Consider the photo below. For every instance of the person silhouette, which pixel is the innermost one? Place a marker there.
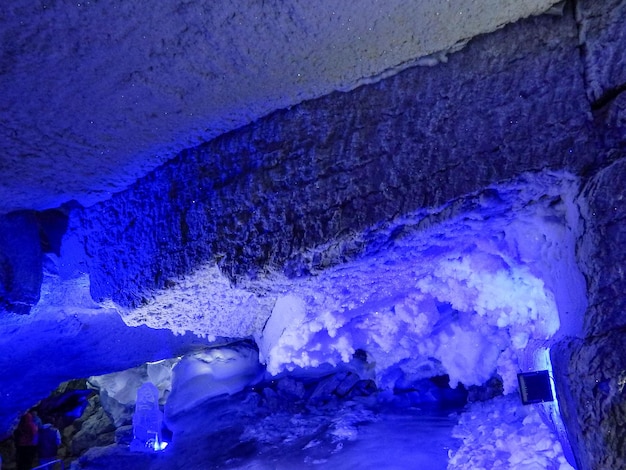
(36, 418)
(26, 436)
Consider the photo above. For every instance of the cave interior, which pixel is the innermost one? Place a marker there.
(315, 238)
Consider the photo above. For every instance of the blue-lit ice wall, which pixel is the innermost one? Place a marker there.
(467, 296)
(472, 289)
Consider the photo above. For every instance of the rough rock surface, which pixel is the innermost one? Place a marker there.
(601, 252)
(591, 380)
(94, 94)
(602, 37)
(20, 262)
(93, 429)
(255, 198)
(591, 371)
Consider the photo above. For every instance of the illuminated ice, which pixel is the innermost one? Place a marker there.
(468, 295)
(470, 290)
(210, 373)
(503, 433)
(288, 310)
(147, 420)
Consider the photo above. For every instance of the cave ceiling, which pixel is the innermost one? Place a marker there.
(96, 94)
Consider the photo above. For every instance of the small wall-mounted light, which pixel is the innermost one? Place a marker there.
(535, 387)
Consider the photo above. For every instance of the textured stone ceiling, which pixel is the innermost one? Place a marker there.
(95, 94)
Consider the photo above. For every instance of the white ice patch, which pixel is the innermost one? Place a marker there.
(503, 433)
(508, 297)
(278, 339)
(510, 300)
(208, 374)
(467, 296)
(204, 303)
(467, 356)
(489, 312)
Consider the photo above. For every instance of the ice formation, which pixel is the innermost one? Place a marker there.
(503, 434)
(147, 419)
(468, 296)
(465, 290)
(207, 374)
(473, 289)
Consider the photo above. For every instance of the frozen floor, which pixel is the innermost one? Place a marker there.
(288, 423)
(413, 440)
(329, 438)
(499, 434)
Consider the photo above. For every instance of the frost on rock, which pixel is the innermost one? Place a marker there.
(205, 304)
(467, 293)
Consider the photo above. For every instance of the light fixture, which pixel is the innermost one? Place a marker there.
(535, 387)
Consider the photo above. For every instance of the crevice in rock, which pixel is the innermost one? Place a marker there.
(582, 49)
(608, 97)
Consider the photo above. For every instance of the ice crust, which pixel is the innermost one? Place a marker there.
(208, 374)
(466, 289)
(469, 296)
(504, 434)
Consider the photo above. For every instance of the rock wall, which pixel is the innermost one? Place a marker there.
(20, 262)
(591, 371)
(252, 200)
(602, 44)
(601, 248)
(21, 257)
(95, 95)
(590, 383)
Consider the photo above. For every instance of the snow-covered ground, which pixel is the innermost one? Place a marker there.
(503, 434)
